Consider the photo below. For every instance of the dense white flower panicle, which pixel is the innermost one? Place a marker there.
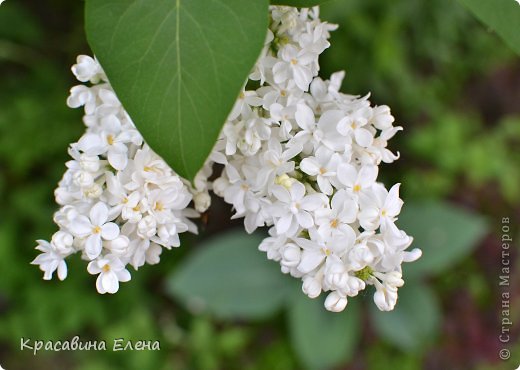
(121, 204)
(297, 156)
(302, 158)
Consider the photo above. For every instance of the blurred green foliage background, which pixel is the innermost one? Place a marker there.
(452, 85)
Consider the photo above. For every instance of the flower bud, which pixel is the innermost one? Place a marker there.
(83, 179)
(335, 302)
(153, 254)
(385, 297)
(119, 245)
(202, 201)
(311, 287)
(94, 191)
(62, 241)
(89, 163)
(146, 228)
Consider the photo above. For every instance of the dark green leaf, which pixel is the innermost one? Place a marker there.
(502, 16)
(229, 277)
(323, 339)
(177, 66)
(415, 320)
(299, 3)
(446, 234)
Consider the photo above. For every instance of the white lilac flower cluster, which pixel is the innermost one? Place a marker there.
(297, 155)
(303, 158)
(120, 202)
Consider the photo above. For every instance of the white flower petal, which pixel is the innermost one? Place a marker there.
(324, 185)
(124, 275)
(297, 191)
(304, 117)
(99, 214)
(347, 174)
(310, 166)
(363, 137)
(392, 203)
(99, 284)
(367, 176)
(281, 193)
(305, 219)
(93, 246)
(91, 144)
(110, 282)
(81, 226)
(117, 159)
(284, 223)
(93, 268)
(62, 270)
(109, 231)
(310, 260)
(312, 202)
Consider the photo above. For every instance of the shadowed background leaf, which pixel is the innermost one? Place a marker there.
(414, 322)
(445, 234)
(230, 278)
(323, 339)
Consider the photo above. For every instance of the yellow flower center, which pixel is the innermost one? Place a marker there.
(357, 188)
(96, 230)
(159, 206)
(106, 268)
(284, 180)
(326, 251)
(110, 139)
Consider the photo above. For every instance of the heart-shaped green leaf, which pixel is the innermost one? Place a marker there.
(177, 66)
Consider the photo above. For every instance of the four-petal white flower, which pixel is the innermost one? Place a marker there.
(111, 271)
(95, 229)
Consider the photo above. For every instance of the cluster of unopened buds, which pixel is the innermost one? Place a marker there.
(297, 156)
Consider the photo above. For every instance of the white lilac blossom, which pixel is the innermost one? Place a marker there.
(121, 204)
(297, 156)
(302, 158)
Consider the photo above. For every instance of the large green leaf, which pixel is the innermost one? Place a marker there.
(502, 16)
(177, 66)
(415, 320)
(446, 234)
(229, 277)
(299, 3)
(323, 339)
